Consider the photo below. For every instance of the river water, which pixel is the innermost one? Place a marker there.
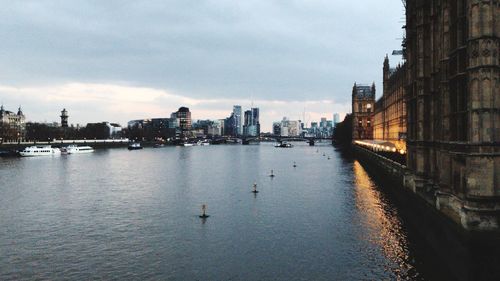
(119, 215)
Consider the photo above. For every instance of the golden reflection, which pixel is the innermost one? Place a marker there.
(381, 221)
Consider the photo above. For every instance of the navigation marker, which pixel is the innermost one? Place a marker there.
(204, 209)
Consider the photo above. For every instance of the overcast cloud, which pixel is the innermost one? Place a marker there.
(122, 60)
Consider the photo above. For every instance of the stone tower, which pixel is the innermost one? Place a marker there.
(64, 118)
(363, 101)
(453, 105)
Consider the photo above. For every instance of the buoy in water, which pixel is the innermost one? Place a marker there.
(272, 174)
(255, 188)
(203, 210)
(294, 164)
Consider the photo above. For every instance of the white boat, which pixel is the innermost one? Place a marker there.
(74, 149)
(188, 144)
(134, 146)
(205, 142)
(284, 145)
(40, 151)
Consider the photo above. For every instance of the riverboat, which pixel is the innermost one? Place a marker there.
(204, 142)
(284, 145)
(74, 149)
(134, 146)
(47, 150)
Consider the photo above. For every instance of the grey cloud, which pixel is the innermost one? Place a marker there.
(264, 49)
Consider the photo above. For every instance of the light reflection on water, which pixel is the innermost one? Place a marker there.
(119, 215)
(383, 225)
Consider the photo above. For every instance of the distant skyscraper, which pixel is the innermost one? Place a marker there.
(290, 128)
(64, 118)
(251, 125)
(336, 119)
(247, 121)
(183, 116)
(277, 128)
(238, 119)
(323, 123)
(229, 127)
(255, 129)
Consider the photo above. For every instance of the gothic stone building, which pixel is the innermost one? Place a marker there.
(12, 125)
(390, 110)
(363, 100)
(453, 104)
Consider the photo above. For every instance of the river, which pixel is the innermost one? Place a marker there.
(117, 214)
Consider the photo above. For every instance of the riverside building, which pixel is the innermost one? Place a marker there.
(389, 122)
(183, 116)
(12, 125)
(363, 100)
(453, 105)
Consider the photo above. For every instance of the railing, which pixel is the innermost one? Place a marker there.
(384, 149)
(55, 141)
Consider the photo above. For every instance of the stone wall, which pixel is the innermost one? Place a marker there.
(453, 105)
(469, 215)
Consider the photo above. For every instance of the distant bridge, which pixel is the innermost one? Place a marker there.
(280, 139)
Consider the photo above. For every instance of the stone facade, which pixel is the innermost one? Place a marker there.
(453, 104)
(363, 101)
(12, 125)
(390, 110)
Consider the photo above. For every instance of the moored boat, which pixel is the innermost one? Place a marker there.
(74, 149)
(134, 146)
(284, 145)
(204, 142)
(47, 150)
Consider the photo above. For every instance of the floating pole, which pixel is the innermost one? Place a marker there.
(272, 174)
(255, 188)
(203, 210)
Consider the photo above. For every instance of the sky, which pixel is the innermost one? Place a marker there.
(123, 60)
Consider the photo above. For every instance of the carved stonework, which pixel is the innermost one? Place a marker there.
(453, 47)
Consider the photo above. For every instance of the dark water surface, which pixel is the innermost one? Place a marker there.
(118, 215)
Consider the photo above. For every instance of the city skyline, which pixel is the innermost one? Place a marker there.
(208, 57)
(58, 121)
